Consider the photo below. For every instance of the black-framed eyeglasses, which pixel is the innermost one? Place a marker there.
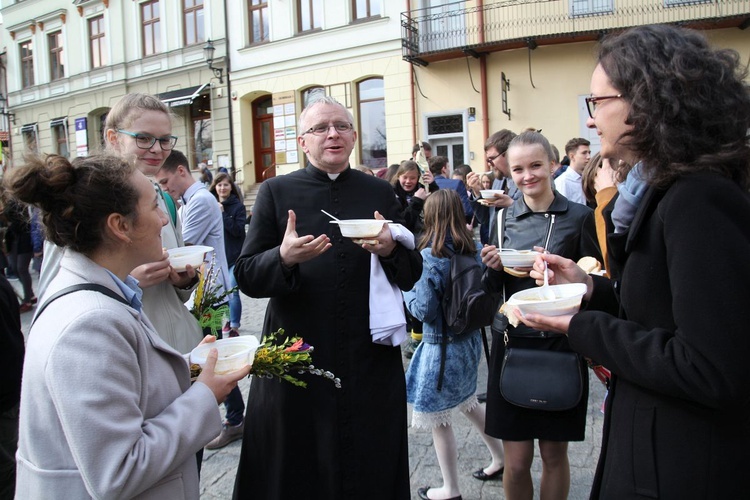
(323, 128)
(146, 141)
(491, 159)
(592, 100)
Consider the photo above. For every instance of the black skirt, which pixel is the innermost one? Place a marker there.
(513, 423)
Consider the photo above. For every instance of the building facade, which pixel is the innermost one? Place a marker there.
(448, 72)
(67, 62)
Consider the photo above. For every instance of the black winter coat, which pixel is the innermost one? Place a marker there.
(18, 235)
(412, 209)
(11, 346)
(234, 217)
(677, 421)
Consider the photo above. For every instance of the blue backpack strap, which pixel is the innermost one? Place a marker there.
(74, 288)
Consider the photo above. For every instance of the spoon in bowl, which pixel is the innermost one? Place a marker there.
(545, 291)
(329, 215)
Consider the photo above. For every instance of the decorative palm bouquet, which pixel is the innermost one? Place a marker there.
(281, 359)
(272, 359)
(209, 307)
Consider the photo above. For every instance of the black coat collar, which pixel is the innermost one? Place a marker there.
(648, 204)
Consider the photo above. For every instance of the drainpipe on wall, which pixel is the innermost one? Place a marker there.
(483, 77)
(413, 95)
(229, 97)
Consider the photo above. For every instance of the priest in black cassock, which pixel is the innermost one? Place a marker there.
(321, 442)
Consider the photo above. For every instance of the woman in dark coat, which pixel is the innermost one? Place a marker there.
(411, 194)
(234, 216)
(676, 336)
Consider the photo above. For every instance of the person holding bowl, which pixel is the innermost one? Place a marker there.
(107, 409)
(139, 128)
(673, 330)
(544, 219)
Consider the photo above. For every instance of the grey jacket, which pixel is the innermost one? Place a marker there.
(107, 409)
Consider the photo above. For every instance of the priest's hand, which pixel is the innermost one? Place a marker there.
(384, 244)
(296, 249)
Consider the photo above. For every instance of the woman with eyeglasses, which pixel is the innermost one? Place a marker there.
(674, 331)
(139, 128)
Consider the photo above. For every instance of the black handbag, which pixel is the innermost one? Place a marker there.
(541, 380)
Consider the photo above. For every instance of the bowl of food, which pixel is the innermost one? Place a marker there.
(234, 353)
(360, 228)
(490, 193)
(567, 300)
(518, 258)
(193, 255)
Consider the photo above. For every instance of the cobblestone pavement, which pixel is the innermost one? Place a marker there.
(220, 466)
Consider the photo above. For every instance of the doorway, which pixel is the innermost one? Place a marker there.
(452, 148)
(263, 138)
(446, 133)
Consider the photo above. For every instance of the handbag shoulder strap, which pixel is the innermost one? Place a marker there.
(75, 288)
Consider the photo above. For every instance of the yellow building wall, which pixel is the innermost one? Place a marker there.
(544, 90)
(546, 85)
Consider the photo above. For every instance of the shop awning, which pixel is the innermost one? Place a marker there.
(182, 97)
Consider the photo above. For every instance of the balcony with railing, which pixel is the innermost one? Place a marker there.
(451, 30)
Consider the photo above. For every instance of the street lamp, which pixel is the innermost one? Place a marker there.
(208, 55)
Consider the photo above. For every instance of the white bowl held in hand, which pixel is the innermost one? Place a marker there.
(182, 256)
(567, 300)
(490, 193)
(360, 228)
(234, 353)
(517, 258)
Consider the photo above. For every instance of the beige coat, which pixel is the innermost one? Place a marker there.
(107, 409)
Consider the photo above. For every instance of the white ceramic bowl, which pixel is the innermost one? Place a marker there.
(517, 258)
(567, 300)
(182, 256)
(360, 228)
(234, 353)
(490, 193)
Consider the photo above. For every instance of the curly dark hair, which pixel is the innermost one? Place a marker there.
(689, 106)
(75, 198)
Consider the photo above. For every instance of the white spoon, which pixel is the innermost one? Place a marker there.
(545, 291)
(331, 216)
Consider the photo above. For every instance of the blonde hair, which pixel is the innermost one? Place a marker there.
(129, 107)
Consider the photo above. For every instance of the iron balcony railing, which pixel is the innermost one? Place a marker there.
(464, 25)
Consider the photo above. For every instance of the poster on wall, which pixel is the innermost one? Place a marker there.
(285, 128)
(82, 141)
